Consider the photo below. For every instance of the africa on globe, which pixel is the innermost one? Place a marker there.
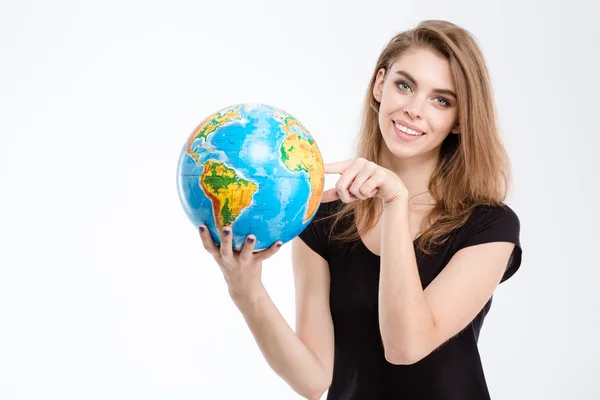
(254, 168)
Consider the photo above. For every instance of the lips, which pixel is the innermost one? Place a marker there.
(403, 125)
(404, 136)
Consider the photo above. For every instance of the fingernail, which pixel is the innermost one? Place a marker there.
(279, 244)
(225, 232)
(201, 229)
(250, 240)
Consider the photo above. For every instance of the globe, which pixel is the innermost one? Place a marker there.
(252, 167)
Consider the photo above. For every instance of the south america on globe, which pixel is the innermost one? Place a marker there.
(254, 168)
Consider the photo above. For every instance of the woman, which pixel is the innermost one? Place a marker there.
(396, 272)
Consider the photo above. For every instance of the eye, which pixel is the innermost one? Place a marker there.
(442, 101)
(403, 86)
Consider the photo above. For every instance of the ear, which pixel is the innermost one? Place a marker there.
(456, 128)
(378, 86)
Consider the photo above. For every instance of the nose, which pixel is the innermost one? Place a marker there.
(414, 108)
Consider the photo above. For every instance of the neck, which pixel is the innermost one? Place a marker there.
(415, 173)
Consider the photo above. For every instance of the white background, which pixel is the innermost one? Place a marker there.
(105, 290)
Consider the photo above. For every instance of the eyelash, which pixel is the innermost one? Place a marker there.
(447, 103)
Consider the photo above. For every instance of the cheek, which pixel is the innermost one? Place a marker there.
(442, 121)
(382, 122)
(392, 105)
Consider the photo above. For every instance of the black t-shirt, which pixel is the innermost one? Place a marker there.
(361, 372)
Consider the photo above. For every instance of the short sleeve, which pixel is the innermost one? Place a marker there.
(495, 224)
(316, 233)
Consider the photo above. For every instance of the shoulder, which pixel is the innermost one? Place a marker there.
(489, 223)
(485, 215)
(329, 208)
(493, 224)
(317, 233)
(325, 214)
(495, 218)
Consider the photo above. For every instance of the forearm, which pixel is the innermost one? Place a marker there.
(287, 355)
(406, 321)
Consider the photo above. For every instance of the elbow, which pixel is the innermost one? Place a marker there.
(315, 395)
(406, 355)
(407, 349)
(315, 392)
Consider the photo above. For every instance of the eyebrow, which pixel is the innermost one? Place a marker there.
(414, 82)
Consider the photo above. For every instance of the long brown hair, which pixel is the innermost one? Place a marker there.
(473, 167)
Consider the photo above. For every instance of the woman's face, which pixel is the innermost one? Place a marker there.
(416, 93)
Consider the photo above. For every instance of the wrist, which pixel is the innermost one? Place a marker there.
(244, 296)
(399, 202)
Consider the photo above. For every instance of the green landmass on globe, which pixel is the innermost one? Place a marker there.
(228, 193)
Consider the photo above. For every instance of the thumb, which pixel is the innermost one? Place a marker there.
(330, 195)
(267, 253)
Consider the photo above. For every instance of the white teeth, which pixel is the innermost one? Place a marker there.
(407, 130)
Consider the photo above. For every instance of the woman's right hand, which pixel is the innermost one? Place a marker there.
(242, 269)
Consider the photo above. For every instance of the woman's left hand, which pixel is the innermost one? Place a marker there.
(361, 179)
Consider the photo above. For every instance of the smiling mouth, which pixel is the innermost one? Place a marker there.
(407, 130)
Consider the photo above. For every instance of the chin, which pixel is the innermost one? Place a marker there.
(401, 150)
(404, 153)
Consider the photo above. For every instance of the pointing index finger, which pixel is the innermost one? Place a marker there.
(336, 167)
